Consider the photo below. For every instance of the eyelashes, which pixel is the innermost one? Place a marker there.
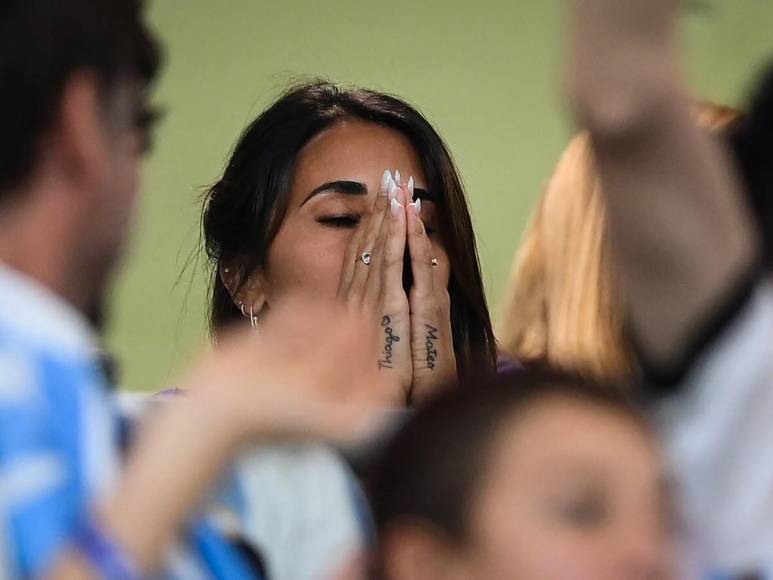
(347, 221)
(350, 221)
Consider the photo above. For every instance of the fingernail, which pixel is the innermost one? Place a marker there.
(393, 191)
(391, 183)
(385, 181)
(410, 187)
(396, 207)
(416, 206)
(397, 177)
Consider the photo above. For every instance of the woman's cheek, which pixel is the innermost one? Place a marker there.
(321, 266)
(307, 259)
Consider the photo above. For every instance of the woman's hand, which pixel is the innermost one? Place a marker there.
(432, 347)
(371, 287)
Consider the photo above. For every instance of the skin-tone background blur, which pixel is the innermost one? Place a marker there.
(486, 74)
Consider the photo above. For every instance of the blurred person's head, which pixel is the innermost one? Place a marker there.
(562, 307)
(73, 126)
(536, 476)
(302, 178)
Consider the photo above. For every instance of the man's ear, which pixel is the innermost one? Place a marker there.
(250, 296)
(80, 134)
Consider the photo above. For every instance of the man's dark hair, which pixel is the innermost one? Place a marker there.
(752, 147)
(42, 44)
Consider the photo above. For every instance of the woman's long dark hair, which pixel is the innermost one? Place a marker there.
(244, 210)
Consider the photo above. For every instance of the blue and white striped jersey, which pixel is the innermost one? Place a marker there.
(59, 450)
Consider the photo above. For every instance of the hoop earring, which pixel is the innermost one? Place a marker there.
(253, 319)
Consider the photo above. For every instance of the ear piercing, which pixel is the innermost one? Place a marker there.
(252, 316)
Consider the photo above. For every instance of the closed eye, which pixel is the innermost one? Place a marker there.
(340, 221)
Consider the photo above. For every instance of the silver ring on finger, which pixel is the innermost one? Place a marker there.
(365, 258)
(434, 262)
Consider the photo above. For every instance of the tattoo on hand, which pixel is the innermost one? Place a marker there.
(432, 354)
(386, 356)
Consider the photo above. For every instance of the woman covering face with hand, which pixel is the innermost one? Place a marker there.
(372, 283)
(351, 197)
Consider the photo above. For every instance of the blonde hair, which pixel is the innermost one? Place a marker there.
(563, 307)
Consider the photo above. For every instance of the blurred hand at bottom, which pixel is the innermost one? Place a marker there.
(307, 373)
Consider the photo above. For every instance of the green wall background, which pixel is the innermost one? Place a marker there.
(486, 73)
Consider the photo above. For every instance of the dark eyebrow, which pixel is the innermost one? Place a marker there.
(345, 187)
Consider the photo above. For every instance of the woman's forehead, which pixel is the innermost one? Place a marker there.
(357, 151)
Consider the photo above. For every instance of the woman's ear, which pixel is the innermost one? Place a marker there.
(248, 295)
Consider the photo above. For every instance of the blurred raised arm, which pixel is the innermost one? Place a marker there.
(682, 240)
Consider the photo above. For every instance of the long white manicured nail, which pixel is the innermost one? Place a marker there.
(410, 188)
(393, 191)
(416, 206)
(397, 177)
(397, 207)
(386, 181)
